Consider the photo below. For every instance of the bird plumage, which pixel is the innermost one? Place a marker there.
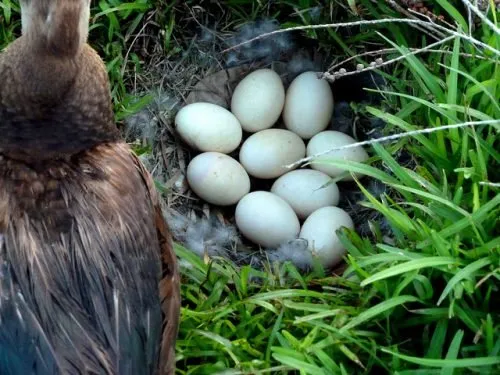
(88, 278)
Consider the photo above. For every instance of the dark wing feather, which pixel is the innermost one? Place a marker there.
(170, 281)
(86, 266)
(24, 348)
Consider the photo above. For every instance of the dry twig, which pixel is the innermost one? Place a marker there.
(474, 9)
(392, 49)
(394, 137)
(336, 75)
(326, 26)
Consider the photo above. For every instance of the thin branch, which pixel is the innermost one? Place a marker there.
(480, 14)
(336, 75)
(400, 9)
(394, 137)
(412, 22)
(470, 21)
(492, 184)
(460, 35)
(326, 26)
(125, 59)
(390, 50)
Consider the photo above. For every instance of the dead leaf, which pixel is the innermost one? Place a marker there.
(217, 88)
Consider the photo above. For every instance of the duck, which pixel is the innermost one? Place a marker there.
(89, 280)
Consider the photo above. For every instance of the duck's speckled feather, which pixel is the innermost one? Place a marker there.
(50, 108)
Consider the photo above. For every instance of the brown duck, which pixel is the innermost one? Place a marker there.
(88, 279)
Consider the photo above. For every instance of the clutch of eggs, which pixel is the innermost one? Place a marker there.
(270, 219)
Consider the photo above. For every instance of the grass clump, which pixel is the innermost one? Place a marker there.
(422, 299)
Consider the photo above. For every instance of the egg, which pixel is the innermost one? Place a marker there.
(327, 140)
(265, 154)
(319, 231)
(217, 178)
(306, 190)
(209, 127)
(266, 219)
(308, 105)
(258, 100)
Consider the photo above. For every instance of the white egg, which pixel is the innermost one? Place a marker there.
(218, 178)
(308, 105)
(209, 127)
(327, 140)
(306, 190)
(319, 230)
(266, 219)
(265, 154)
(258, 100)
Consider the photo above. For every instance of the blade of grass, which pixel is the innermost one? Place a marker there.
(377, 310)
(409, 266)
(465, 272)
(419, 70)
(453, 351)
(452, 82)
(480, 85)
(438, 339)
(442, 363)
(477, 217)
(397, 121)
(454, 13)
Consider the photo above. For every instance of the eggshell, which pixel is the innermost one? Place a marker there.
(209, 127)
(218, 178)
(308, 105)
(319, 230)
(265, 154)
(258, 100)
(303, 190)
(266, 219)
(329, 139)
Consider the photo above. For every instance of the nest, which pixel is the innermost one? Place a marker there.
(202, 73)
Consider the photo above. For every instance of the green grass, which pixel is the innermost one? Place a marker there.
(422, 300)
(424, 303)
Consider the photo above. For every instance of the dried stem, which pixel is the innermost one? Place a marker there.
(474, 9)
(402, 10)
(326, 26)
(488, 183)
(461, 35)
(413, 22)
(390, 50)
(336, 75)
(394, 137)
